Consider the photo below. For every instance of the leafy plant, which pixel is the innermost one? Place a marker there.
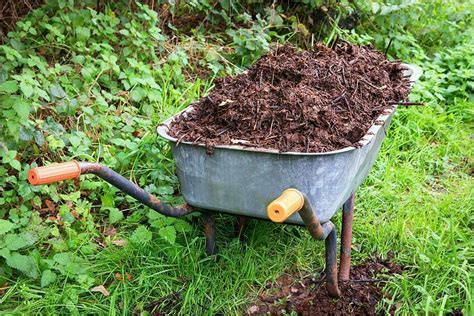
(86, 85)
(77, 82)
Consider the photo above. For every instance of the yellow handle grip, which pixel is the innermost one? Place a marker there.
(54, 172)
(289, 202)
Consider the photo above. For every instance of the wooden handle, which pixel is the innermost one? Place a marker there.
(54, 172)
(289, 202)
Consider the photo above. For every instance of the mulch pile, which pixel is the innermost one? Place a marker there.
(304, 101)
(308, 296)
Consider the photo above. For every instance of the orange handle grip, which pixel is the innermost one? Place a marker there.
(289, 202)
(54, 172)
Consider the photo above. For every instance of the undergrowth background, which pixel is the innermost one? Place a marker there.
(91, 80)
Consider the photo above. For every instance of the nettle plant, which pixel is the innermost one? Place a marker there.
(81, 84)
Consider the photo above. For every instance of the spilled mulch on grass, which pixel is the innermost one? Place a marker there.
(307, 295)
(291, 100)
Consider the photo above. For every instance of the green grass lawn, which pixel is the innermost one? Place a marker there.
(98, 96)
(416, 203)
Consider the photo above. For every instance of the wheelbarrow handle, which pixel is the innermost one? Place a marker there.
(289, 202)
(54, 173)
(73, 169)
(292, 201)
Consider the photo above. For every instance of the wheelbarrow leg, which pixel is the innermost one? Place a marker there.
(240, 226)
(331, 264)
(210, 233)
(346, 238)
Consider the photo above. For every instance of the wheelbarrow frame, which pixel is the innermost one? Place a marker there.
(318, 224)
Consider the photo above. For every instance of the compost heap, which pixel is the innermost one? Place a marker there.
(302, 101)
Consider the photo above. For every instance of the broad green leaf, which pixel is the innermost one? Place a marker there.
(141, 235)
(27, 89)
(71, 196)
(18, 241)
(9, 86)
(15, 164)
(22, 109)
(14, 128)
(152, 214)
(182, 226)
(43, 94)
(55, 142)
(107, 200)
(14, 242)
(82, 33)
(148, 109)
(39, 137)
(47, 278)
(29, 237)
(162, 222)
(57, 91)
(168, 233)
(5, 226)
(65, 212)
(25, 264)
(75, 141)
(8, 156)
(64, 258)
(138, 94)
(4, 252)
(115, 215)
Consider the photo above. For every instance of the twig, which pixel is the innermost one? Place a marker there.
(366, 281)
(354, 281)
(180, 139)
(407, 103)
(334, 43)
(340, 96)
(271, 126)
(375, 87)
(388, 46)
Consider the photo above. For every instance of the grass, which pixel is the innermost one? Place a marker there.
(417, 203)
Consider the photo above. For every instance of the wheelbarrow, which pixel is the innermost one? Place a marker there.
(289, 187)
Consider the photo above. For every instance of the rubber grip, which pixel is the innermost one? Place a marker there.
(54, 172)
(289, 202)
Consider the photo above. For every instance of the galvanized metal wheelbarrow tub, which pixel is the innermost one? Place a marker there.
(290, 187)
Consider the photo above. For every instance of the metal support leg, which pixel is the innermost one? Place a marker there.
(240, 226)
(328, 233)
(210, 233)
(346, 238)
(292, 201)
(331, 264)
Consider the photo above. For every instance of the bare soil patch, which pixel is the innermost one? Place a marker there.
(307, 295)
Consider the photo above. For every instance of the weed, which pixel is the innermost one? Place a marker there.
(76, 83)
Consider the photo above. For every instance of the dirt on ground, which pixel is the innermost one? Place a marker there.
(290, 100)
(307, 295)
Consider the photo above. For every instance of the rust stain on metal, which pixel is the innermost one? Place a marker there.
(154, 199)
(346, 238)
(133, 190)
(332, 285)
(210, 233)
(89, 167)
(331, 264)
(326, 232)
(239, 227)
(346, 251)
